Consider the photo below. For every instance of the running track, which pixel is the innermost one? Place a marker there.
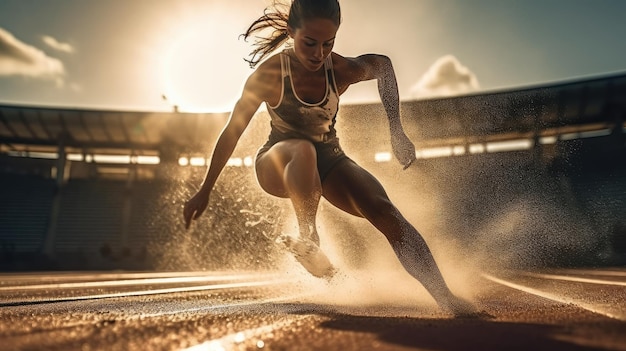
(557, 309)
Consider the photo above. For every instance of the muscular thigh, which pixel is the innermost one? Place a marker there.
(351, 188)
(270, 165)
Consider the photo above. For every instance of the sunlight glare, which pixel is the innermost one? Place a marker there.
(382, 157)
(197, 161)
(203, 69)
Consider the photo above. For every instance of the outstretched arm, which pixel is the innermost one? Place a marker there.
(402, 147)
(239, 119)
(379, 67)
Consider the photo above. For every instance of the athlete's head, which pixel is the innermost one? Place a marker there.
(304, 10)
(318, 17)
(313, 25)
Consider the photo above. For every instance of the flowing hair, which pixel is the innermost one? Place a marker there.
(280, 16)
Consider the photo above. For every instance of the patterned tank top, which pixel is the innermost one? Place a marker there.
(294, 118)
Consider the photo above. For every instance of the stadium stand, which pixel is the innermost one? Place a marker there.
(25, 206)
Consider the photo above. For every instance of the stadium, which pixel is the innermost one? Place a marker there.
(103, 189)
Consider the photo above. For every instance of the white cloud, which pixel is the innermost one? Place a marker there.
(19, 58)
(57, 45)
(446, 77)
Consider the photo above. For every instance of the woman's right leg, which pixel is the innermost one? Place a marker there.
(289, 169)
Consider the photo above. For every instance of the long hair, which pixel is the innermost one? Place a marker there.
(280, 16)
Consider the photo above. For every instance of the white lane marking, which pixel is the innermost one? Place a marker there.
(143, 316)
(144, 281)
(608, 273)
(560, 299)
(69, 275)
(228, 305)
(148, 292)
(575, 279)
(227, 342)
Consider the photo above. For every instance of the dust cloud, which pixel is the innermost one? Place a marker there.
(478, 213)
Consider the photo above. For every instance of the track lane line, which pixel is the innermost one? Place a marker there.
(556, 298)
(128, 282)
(210, 308)
(145, 293)
(609, 273)
(259, 302)
(574, 279)
(73, 276)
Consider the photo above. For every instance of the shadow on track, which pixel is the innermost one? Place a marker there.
(456, 334)
(449, 334)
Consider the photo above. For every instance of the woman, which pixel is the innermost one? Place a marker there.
(302, 159)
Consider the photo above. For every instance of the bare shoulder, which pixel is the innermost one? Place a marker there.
(264, 82)
(350, 70)
(269, 67)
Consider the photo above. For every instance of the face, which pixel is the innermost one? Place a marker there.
(313, 42)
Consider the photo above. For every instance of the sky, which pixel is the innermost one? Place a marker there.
(153, 54)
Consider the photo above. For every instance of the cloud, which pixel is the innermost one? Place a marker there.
(446, 77)
(19, 58)
(57, 45)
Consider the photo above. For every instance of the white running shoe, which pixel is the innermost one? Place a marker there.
(309, 255)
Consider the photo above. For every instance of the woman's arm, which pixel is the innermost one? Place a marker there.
(379, 67)
(239, 119)
(242, 114)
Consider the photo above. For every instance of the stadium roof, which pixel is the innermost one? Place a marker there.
(48, 128)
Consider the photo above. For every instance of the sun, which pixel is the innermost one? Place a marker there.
(203, 69)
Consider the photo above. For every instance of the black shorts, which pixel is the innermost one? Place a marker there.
(329, 154)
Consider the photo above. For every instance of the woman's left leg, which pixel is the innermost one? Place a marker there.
(354, 190)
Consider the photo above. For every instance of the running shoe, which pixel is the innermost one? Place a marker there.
(309, 255)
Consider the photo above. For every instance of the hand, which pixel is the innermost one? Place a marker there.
(403, 149)
(195, 206)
